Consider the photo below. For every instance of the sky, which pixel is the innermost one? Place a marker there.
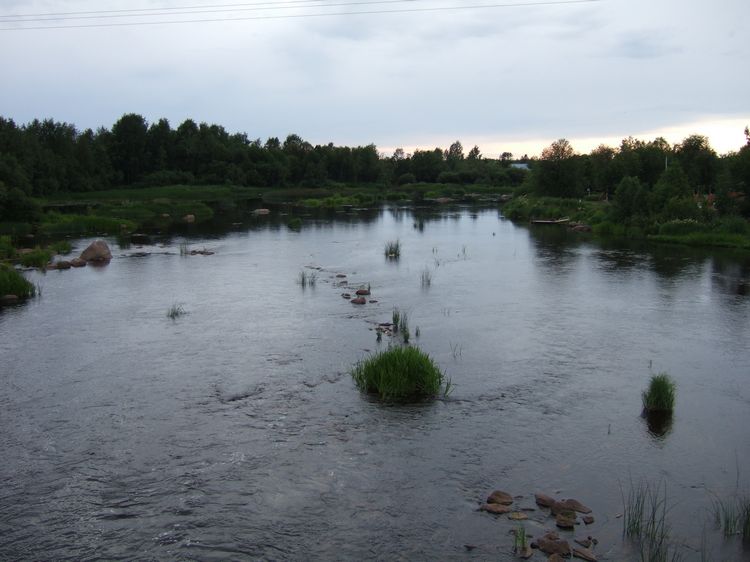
(408, 73)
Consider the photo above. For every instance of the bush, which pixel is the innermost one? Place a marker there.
(400, 374)
(682, 226)
(660, 394)
(403, 179)
(13, 283)
(294, 224)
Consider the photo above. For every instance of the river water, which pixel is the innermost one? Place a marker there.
(235, 432)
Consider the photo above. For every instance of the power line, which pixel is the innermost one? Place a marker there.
(166, 11)
(309, 15)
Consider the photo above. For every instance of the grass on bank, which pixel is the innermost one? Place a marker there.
(13, 283)
(660, 395)
(400, 374)
(37, 257)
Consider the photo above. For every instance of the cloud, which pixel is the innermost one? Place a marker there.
(644, 45)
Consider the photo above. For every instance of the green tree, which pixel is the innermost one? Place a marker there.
(558, 172)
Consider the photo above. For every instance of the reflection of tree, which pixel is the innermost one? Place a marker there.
(730, 274)
(555, 246)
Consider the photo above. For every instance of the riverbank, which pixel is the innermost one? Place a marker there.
(710, 230)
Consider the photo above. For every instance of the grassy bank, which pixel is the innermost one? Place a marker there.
(13, 283)
(712, 231)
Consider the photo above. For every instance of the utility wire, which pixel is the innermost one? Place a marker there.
(164, 8)
(191, 11)
(303, 16)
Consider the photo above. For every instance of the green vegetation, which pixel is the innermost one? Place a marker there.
(13, 283)
(733, 516)
(399, 374)
(56, 224)
(520, 543)
(645, 521)
(175, 311)
(294, 224)
(7, 251)
(393, 249)
(38, 257)
(426, 277)
(62, 247)
(660, 395)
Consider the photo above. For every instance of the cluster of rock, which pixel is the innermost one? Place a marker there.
(565, 513)
(359, 296)
(97, 253)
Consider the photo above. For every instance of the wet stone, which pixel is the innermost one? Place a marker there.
(575, 505)
(517, 516)
(564, 522)
(544, 500)
(495, 508)
(501, 497)
(584, 554)
(588, 519)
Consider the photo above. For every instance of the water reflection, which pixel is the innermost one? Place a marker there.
(658, 424)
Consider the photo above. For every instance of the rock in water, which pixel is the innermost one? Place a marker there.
(98, 251)
(500, 497)
(588, 519)
(78, 262)
(584, 554)
(575, 505)
(544, 500)
(560, 547)
(359, 300)
(565, 522)
(517, 516)
(496, 508)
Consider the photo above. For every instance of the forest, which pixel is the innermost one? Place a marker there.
(650, 179)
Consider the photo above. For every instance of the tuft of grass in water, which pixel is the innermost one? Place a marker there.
(184, 248)
(733, 516)
(645, 521)
(399, 374)
(404, 327)
(396, 319)
(393, 249)
(417, 332)
(426, 277)
(520, 540)
(660, 395)
(175, 311)
(294, 224)
(457, 350)
(36, 258)
(307, 278)
(13, 283)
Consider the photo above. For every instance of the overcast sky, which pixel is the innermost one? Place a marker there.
(509, 78)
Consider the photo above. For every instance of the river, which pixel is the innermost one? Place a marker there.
(234, 432)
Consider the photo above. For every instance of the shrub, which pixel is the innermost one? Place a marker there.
(403, 179)
(660, 394)
(295, 224)
(400, 374)
(13, 283)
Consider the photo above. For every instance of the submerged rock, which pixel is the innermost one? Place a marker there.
(499, 496)
(78, 262)
(97, 251)
(584, 554)
(565, 522)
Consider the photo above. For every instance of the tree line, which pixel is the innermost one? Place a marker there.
(46, 157)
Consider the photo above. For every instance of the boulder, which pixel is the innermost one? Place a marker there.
(63, 264)
(499, 496)
(495, 508)
(98, 251)
(78, 262)
(544, 500)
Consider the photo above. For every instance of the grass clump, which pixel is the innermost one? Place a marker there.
(426, 277)
(660, 395)
(62, 247)
(294, 224)
(36, 258)
(307, 278)
(7, 251)
(393, 249)
(399, 374)
(733, 516)
(13, 283)
(175, 311)
(645, 521)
